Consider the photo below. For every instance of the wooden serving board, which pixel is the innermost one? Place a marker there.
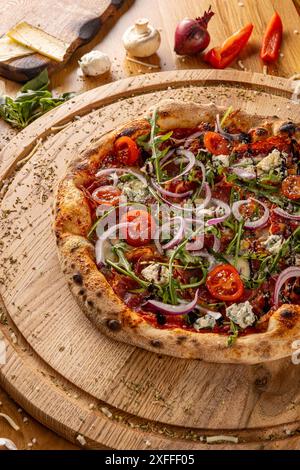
(75, 22)
(59, 368)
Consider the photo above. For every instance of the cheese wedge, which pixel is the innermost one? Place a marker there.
(39, 41)
(10, 49)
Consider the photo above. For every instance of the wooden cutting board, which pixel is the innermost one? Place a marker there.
(75, 22)
(59, 368)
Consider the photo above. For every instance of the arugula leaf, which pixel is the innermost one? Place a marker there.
(234, 334)
(33, 100)
(238, 241)
(226, 115)
(155, 141)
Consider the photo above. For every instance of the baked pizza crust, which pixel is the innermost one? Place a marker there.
(96, 297)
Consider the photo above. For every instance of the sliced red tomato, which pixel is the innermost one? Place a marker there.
(224, 283)
(216, 144)
(127, 150)
(141, 228)
(290, 187)
(107, 195)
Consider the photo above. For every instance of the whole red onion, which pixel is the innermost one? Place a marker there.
(191, 36)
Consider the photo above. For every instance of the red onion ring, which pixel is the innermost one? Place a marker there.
(192, 160)
(108, 171)
(168, 309)
(191, 138)
(227, 212)
(196, 244)
(255, 224)
(286, 215)
(167, 156)
(169, 193)
(203, 171)
(226, 135)
(189, 209)
(99, 252)
(176, 239)
(286, 274)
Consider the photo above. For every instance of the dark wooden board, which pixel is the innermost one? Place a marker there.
(74, 21)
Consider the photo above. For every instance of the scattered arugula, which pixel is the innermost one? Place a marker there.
(267, 192)
(270, 264)
(234, 245)
(123, 266)
(33, 100)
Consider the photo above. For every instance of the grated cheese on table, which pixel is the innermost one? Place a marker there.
(221, 438)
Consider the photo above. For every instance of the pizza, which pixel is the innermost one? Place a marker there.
(180, 233)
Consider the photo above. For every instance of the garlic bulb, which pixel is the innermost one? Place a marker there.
(94, 63)
(141, 39)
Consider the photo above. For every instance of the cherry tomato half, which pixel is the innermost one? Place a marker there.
(107, 195)
(141, 228)
(291, 187)
(224, 283)
(216, 144)
(127, 150)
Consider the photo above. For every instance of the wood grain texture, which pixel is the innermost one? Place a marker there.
(109, 40)
(164, 14)
(151, 401)
(73, 22)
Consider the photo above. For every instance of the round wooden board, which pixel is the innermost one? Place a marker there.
(59, 367)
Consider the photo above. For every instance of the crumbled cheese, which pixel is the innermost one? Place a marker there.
(247, 165)
(156, 273)
(81, 440)
(221, 438)
(270, 162)
(106, 412)
(208, 321)
(10, 421)
(221, 160)
(241, 314)
(134, 190)
(241, 65)
(273, 244)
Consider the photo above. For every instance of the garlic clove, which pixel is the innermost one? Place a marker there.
(141, 39)
(94, 63)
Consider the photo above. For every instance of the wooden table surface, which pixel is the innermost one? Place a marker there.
(230, 15)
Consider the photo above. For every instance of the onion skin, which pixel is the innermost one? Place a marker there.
(191, 35)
